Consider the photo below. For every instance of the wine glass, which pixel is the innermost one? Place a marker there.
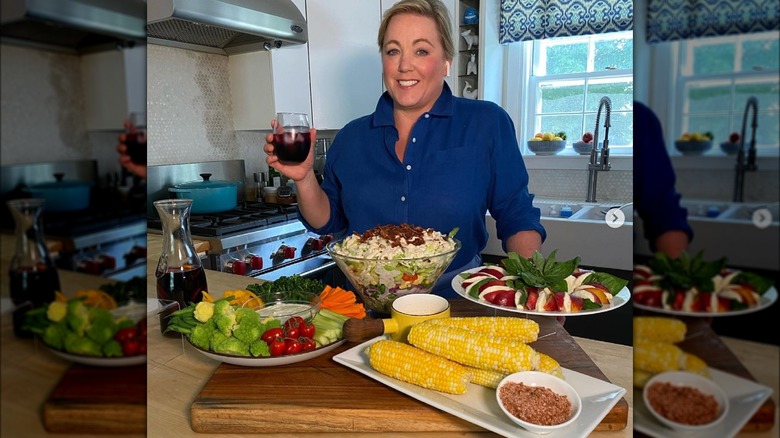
(135, 138)
(292, 139)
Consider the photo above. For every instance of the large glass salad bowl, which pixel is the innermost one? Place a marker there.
(379, 277)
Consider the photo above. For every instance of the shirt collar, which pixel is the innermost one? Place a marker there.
(383, 115)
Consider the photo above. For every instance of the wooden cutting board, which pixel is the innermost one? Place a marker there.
(319, 395)
(94, 400)
(702, 341)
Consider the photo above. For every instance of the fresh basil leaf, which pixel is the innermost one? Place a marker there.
(759, 283)
(588, 305)
(611, 282)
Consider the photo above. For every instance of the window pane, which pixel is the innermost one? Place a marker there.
(717, 125)
(557, 97)
(621, 131)
(617, 54)
(713, 58)
(566, 58)
(620, 93)
(766, 92)
(570, 124)
(705, 97)
(760, 55)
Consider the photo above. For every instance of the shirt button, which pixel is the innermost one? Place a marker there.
(408, 167)
(403, 198)
(414, 139)
(427, 115)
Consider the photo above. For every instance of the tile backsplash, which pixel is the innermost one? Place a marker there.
(43, 115)
(615, 185)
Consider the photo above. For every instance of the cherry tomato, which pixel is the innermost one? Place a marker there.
(277, 346)
(271, 334)
(292, 327)
(292, 346)
(307, 330)
(126, 334)
(141, 326)
(307, 343)
(130, 347)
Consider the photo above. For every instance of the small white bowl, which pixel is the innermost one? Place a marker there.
(684, 378)
(546, 147)
(537, 378)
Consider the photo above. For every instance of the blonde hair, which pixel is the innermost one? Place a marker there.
(434, 9)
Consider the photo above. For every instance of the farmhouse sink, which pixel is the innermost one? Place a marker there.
(585, 234)
(730, 232)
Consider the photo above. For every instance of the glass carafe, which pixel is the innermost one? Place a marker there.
(33, 276)
(180, 275)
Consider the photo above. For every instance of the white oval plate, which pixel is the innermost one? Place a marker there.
(101, 361)
(268, 361)
(618, 300)
(767, 299)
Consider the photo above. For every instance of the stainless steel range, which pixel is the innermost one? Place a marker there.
(108, 238)
(255, 239)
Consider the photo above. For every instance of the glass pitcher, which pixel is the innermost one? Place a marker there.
(33, 276)
(180, 275)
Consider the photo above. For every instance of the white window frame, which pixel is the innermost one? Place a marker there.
(683, 75)
(519, 62)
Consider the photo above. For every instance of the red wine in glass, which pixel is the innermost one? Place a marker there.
(30, 289)
(184, 285)
(292, 145)
(136, 146)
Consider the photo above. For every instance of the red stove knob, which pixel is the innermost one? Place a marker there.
(89, 266)
(317, 244)
(236, 267)
(326, 239)
(107, 262)
(254, 261)
(289, 252)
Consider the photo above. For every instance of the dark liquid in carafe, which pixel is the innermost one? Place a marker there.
(31, 289)
(136, 146)
(293, 150)
(184, 285)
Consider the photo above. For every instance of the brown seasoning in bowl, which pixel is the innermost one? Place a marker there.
(535, 404)
(682, 404)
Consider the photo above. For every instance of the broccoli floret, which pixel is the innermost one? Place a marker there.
(76, 344)
(112, 348)
(77, 317)
(201, 335)
(249, 328)
(259, 348)
(224, 317)
(54, 335)
(204, 311)
(232, 346)
(56, 311)
(102, 329)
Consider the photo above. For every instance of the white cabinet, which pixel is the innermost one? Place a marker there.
(114, 84)
(346, 69)
(264, 83)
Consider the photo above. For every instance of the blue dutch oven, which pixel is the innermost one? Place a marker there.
(62, 195)
(208, 196)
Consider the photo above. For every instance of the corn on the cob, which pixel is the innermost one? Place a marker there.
(478, 350)
(409, 364)
(641, 377)
(487, 378)
(696, 365)
(550, 366)
(657, 357)
(659, 328)
(521, 329)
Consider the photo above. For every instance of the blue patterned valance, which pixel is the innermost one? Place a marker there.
(524, 20)
(669, 20)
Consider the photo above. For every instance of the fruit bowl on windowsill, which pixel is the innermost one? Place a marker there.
(693, 147)
(729, 148)
(546, 147)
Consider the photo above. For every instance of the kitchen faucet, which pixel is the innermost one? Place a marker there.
(741, 167)
(596, 163)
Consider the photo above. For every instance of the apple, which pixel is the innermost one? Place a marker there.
(734, 137)
(587, 137)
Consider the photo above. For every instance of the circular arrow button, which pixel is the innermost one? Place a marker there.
(762, 218)
(615, 218)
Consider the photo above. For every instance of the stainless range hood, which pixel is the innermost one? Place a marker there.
(225, 27)
(73, 26)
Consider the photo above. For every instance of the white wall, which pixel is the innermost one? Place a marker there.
(42, 108)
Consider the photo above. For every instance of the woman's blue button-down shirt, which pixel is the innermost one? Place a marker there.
(461, 160)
